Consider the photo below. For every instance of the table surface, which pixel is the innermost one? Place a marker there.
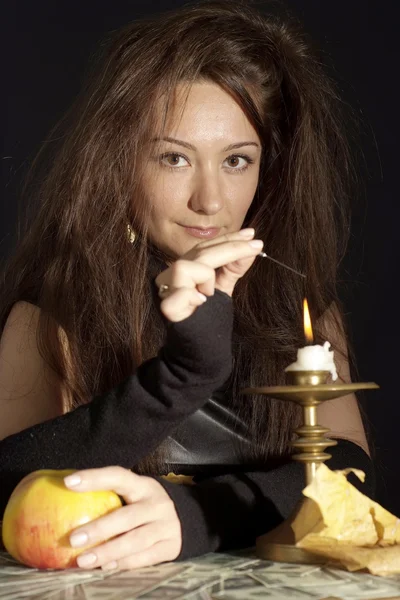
(233, 576)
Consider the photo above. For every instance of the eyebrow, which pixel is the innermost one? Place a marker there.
(191, 147)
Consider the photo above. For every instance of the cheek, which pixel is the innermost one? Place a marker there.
(241, 195)
(165, 197)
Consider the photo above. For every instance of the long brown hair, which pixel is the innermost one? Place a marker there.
(74, 260)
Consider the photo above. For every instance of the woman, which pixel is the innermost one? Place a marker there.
(200, 126)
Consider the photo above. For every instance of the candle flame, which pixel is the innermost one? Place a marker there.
(308, 332)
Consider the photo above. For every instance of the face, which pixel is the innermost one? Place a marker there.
(202, 177)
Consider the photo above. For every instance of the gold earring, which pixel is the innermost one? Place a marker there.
(131, 234)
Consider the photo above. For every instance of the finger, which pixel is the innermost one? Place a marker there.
(189, 274)
(221, 255)
(114, 523)
(164, 278)
(181, 303)
(136, 540)
(186, 273)
(228, 275)
(123, 482)
(164, 551)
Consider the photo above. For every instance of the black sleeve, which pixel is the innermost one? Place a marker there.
(124, 425)
(230, 511)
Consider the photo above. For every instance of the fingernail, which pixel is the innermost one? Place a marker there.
(202, 296)
(72, 480)
(84, 560)
(256, 244)
(78, 539)
(247, 232)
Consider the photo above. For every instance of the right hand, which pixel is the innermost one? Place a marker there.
(212, 264)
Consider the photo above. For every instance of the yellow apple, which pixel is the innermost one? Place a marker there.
(42, 513)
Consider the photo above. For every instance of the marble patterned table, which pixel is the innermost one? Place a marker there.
(233, 576)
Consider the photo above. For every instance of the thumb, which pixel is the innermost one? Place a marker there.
(227, 276)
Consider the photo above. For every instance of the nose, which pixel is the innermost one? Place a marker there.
(207, 196)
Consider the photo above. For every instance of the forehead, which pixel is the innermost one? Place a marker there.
(205, 111)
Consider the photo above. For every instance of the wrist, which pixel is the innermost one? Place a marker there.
(204, 340)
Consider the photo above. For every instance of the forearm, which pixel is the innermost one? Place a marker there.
(230, 511)
(127, 423)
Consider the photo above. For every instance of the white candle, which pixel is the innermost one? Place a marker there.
(315, 358)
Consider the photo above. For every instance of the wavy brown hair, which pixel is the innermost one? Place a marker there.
(74, 260)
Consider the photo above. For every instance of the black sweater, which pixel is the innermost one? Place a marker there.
(124, 425)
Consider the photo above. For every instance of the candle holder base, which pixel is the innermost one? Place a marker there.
(288, 553)
(279, 544)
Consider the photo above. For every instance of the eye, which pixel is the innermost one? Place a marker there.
(171, 160)
(237, 165)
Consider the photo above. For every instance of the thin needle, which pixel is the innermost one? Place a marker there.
(278, 262)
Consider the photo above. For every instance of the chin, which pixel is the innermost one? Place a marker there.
(182, 245)
(177, 251)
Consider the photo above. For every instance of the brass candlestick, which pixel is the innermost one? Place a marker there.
(309, 389)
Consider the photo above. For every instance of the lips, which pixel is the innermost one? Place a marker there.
(203, 232)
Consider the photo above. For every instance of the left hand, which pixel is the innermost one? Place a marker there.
(145, 532)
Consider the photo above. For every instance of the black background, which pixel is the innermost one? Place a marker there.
(46, 50)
